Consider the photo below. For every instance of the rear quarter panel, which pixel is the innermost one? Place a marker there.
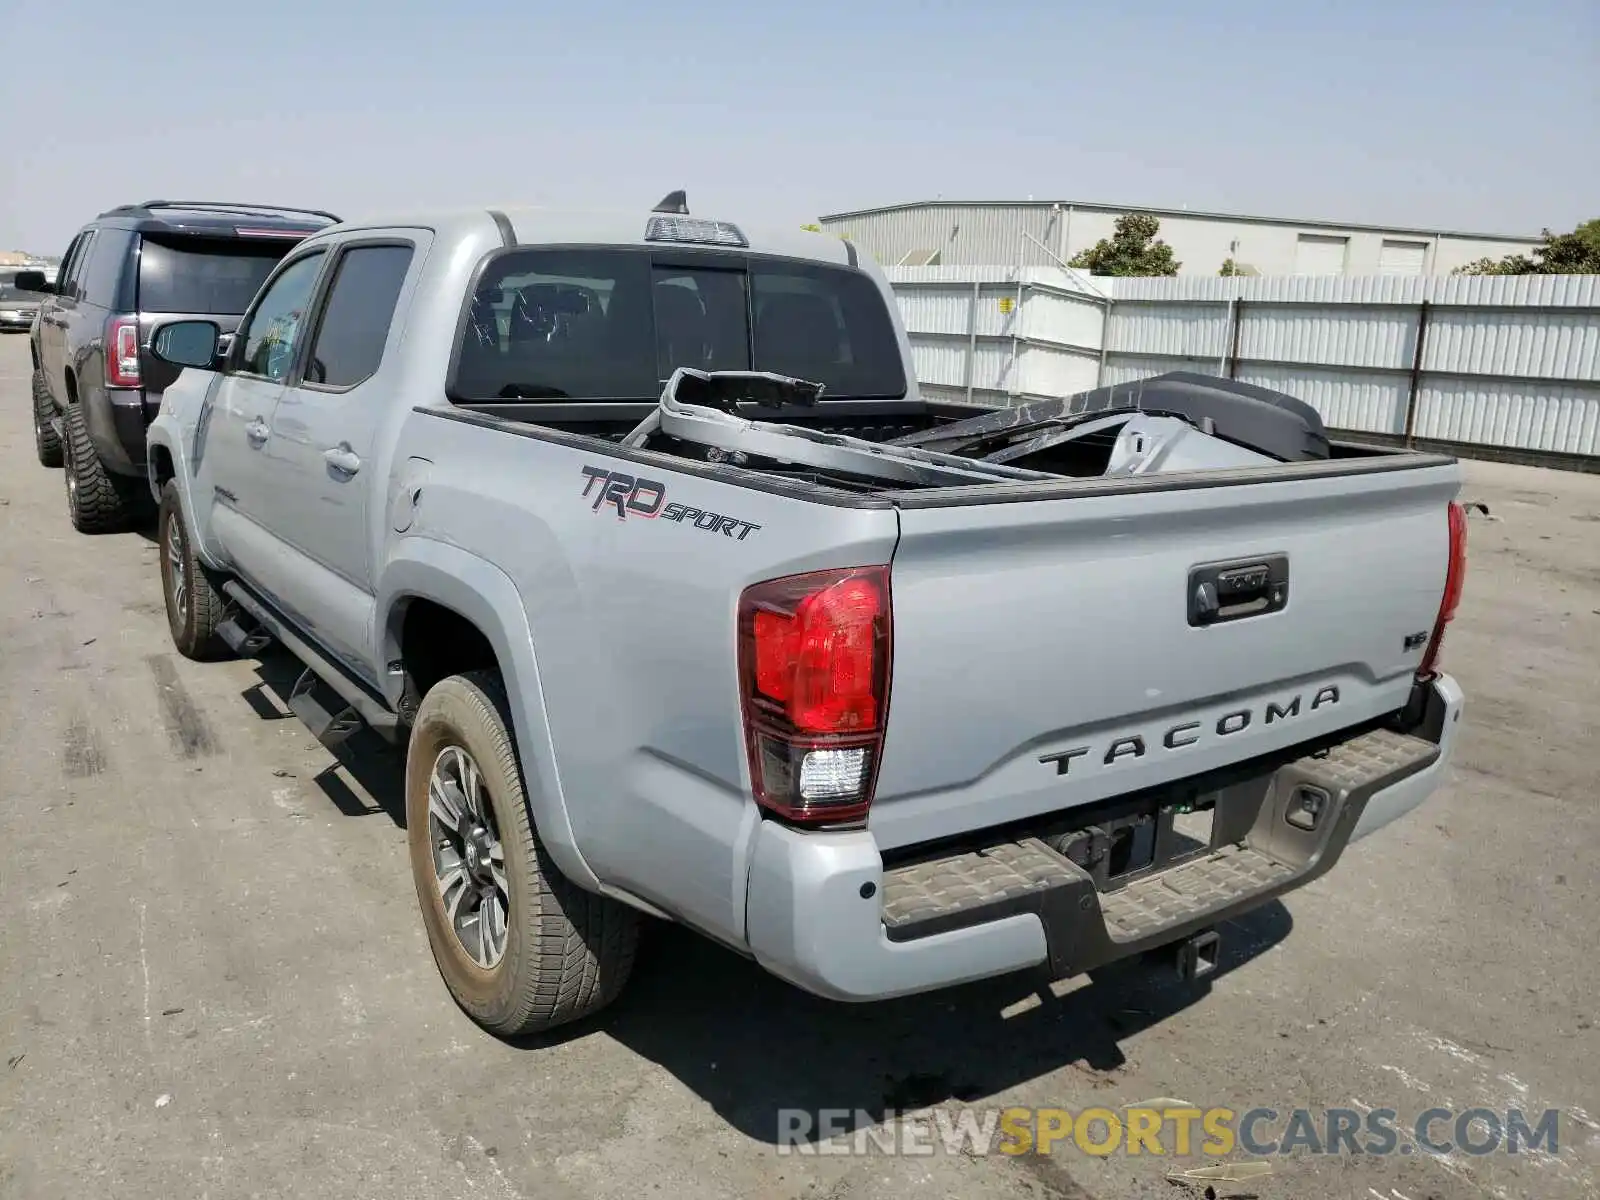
(629, 641)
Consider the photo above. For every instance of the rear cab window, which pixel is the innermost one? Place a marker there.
(211, 275)
(612, 324)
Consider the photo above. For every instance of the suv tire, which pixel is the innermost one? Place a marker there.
(46, 441)
(98, 501)
(194, 604)
(562, 953)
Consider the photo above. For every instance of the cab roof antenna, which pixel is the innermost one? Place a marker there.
(674, 202)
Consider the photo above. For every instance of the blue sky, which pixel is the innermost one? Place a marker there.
(1457, 115)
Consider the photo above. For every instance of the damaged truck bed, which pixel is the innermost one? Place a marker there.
(1172, 423)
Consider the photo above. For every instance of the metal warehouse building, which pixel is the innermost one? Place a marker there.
(1044, 233)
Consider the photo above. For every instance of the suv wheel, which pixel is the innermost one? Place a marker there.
(45, 439)
(521, 948)
(194, 604)
(97, 500)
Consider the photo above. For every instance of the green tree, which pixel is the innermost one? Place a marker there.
(1131, 250)
(1575, 253)
(1229, 267)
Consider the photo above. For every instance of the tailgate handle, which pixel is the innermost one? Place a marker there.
(1232, 591)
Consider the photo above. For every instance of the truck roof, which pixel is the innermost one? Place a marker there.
(535, 225)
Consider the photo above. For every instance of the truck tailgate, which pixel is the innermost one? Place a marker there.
(1049, 653)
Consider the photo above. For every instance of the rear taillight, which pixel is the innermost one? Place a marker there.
(122, 352)
(814, 687)
(1455, 578)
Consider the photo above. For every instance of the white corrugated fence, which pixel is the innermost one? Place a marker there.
(1503, 361)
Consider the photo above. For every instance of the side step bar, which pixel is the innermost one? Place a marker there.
(323, 710)
(332, 705)
(246, 643)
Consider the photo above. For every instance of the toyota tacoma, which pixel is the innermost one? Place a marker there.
(636, 533)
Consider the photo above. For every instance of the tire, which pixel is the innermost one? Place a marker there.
(97, 500)
(46, 442)
(567, 952)
(194, 604)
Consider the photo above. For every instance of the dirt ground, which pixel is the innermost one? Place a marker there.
(214, 982)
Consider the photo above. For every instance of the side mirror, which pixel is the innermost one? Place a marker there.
(32, 281)
(187, 343)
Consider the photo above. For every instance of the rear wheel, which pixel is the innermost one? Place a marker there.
(46, 442)
(520, 947)
(194, 605)
(98, 501)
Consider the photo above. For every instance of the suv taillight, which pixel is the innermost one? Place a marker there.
(1455, 579)
(122, 352)
(814, 688)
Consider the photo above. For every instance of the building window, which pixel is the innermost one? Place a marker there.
(1319, 254)
(1402, 258)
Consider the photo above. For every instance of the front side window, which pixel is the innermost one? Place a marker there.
(355, 321)
(613, 324)
(269, 336)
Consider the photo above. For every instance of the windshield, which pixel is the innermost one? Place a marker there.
(9, 289)
(613, 324)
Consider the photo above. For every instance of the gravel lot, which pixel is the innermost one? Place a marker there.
(214, 982)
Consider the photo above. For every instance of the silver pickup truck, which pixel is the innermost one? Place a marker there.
(635, 531)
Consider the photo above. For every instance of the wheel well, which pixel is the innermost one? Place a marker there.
(72, 387)
(161, 465)
(436, 642)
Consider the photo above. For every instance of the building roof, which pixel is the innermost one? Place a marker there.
(1097, 206)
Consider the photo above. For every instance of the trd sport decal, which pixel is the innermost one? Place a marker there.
(647, 499)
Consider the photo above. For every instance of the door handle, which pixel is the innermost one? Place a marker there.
(256, 431)
(342, 459)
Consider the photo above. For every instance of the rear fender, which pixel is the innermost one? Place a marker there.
(421, 568)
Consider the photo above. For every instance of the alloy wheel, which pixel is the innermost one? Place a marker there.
(469, 862)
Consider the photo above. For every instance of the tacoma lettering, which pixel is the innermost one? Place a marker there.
(1187, 733)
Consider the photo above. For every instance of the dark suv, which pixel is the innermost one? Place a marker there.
(95, 384)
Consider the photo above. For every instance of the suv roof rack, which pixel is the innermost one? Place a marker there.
(222, 206)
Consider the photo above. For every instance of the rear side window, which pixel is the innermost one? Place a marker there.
(101, 274)
(205, 275)
(70, 279)
(355, 322)
(613, 324)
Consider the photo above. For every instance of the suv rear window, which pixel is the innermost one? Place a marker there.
(205, 275)
(613, 324)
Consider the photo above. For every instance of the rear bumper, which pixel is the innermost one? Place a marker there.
(824, 914)
(118, 419)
